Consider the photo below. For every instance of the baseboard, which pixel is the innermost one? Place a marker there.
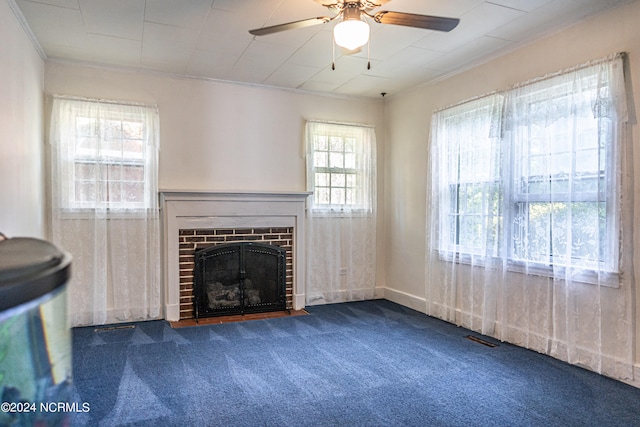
(636, 376)
(406, 299)
(333, 297)
(172, 312)
(298, 301)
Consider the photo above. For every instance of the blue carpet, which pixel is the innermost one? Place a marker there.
(370, 363)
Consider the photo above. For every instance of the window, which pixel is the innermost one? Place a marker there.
(106, 154)
(560, 169)
(530, 175)
(339, 160)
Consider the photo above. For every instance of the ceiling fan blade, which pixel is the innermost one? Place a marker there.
(290, 26)
(419, 21)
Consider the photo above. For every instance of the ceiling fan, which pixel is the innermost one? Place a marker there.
(353, 31)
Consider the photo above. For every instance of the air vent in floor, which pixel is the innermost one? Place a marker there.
(481, 341)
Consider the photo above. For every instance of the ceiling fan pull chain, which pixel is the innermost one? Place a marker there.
(369, 54)
(333, 53)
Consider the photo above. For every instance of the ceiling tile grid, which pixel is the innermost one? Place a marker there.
(210, 39)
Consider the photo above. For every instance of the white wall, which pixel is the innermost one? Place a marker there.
(22, 192)
(216, 135)
(224, 136)
(408, 121)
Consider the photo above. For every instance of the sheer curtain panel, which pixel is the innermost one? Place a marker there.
(341, 219)
(104, 169)
(527, 235)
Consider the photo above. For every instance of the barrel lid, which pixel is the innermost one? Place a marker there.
(30, 268)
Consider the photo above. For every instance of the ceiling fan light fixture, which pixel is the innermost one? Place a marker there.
(352, 32)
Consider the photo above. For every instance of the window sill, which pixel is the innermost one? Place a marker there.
(339, 213)
(558, 272)
(100, 213)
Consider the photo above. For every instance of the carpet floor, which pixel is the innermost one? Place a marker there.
(369, 363)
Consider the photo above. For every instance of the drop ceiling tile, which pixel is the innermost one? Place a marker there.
(524, 5)
(116, 18)
(58, 29)
(206, 63)
(318, 86)
(179, 13)
(268, 53)
(295, 10)
(462, 57)
(261, 8)
(407, 59)
(475, 23)
(114, 50)
(554, 15)
(449, 8)
(167, 47)
(317, 52)
(347, 67)
(69, 4)
(224, 31)
(364, 86)
(291, 75)
(169, 36)
(390, 39)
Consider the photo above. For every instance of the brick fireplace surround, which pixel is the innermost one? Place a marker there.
(193, 219)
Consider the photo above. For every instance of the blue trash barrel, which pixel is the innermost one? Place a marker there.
(35, 339)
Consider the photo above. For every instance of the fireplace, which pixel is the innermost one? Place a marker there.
(193, 220)
(239, 278)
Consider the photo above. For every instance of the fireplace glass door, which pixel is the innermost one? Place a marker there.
(239, 278)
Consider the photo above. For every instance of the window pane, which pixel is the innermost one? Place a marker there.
(133, 192)
(320, 143)
(322, 196)
(114, 172)
(85, 191)
(337, 196)
(322, 179)
(133, 173)
(589, 227)
(338, 180)
(112, 129)
(532, 235)
(350, 145)
(132, 130)
(133, 148)
(350, 196)
(87, 146)
(320, 159)
(114, 193)
(336, 160)
(336, 144)
(350, 161)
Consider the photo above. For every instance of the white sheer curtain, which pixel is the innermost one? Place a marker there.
(341, 218)
(104, 207)
(527, 240)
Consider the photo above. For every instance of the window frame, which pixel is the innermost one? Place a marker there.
(72, 206)
(604, 271)
(362, 205)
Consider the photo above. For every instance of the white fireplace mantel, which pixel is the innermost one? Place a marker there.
(198, 209)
